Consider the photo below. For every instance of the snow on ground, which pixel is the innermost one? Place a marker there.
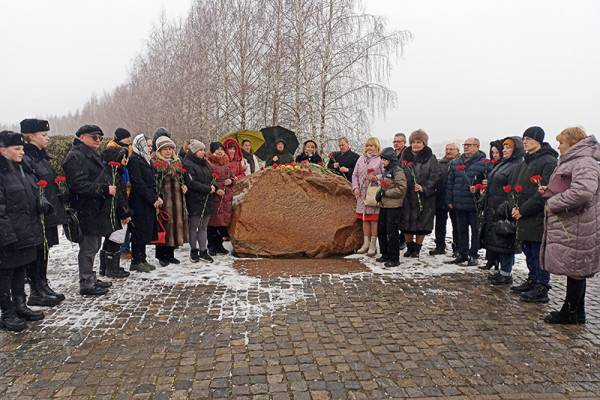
(236, 296)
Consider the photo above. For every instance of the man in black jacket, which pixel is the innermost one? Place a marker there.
(89, 189)
(344, 160)
(540, 159)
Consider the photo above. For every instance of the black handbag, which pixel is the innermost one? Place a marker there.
(505, 227)
(72, 229)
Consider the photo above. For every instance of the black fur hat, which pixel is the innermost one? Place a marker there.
(34, 125)
(10, 138)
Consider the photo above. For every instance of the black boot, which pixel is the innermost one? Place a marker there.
(195, 255)
(40, 298)
(437, 251)
(103, 263)
(410, 248)
(48, 290)
(567, 315)
(382, 259)
(221, 250)
(523, 287)
(203, 255)
(581, 305)
(472, 262)
(113, 262)
(25, 312)
(458, 260)
(391, 264)
(489, 264)
(538, 294)
(416, 250)
(9, 320)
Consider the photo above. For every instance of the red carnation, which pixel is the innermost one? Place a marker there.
(370, 171)
(480, 187)
(536, 179)
(275, 165)
(518, 188)
(60, 179)
(330, 155)
(410, 164)
(114, 164)
(494, 162)
(460, 167)
(183, 170)
(385, 184)
(42, 183)
(305, 162)
(507, 188)
(215, 175)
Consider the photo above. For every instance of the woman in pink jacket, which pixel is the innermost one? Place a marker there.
(367, 172)
(571, 242)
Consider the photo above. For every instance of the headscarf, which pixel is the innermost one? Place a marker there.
(140, 147)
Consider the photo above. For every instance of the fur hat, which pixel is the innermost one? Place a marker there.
(536, 133)
(34, 125)
(89, 129)
(164, 141)
(10, 138)
(419, 134)
(196, 145)
(216, 145)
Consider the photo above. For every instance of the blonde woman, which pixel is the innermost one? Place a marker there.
(367, 172)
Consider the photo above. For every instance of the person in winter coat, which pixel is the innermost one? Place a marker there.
(367, 172)
(464, 173)
(496, 151)
(90, 190)
(343, 161)
(390, 198)
(200, 184)
(35, 132)
(441, 208)
(237, 163)
(497, 211)
(253, 163)
(399, 143)
(122, 138)
(172, 189)
(539, 161)
(423, 174)
(144, 202)
(20, 231)
(280, 155)
(571, 241)
(222, 201)
(158, 133)
(310, 153)
(119, 214)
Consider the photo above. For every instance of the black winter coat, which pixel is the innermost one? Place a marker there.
(314, 159)
(497, 203)
(347, 159)
(198, 180)
(284, 157)
(39, 160)
(440, 196)
(20, 226)
(457, 191)
(531, 205)
(141, 200)
(417, 218)
(88, 180)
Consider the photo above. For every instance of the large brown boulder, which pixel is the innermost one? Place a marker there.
(289, 212)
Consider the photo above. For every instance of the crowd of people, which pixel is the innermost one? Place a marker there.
(138, 191)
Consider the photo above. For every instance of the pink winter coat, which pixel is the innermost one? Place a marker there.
(359, 180)
(571, 243)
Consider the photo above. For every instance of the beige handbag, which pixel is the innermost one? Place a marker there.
(370, 200)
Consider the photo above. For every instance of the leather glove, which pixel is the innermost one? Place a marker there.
(379, 195)
(45, 206)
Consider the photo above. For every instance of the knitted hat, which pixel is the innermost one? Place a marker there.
(10, 138)
(388, 154)
(419, 134)
(163, 142)
(196, 145)
(89, 129)
(34, 125)
(536, 133)
(121, 133)
(216, 145)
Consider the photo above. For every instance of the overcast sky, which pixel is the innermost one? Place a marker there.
(483, 68)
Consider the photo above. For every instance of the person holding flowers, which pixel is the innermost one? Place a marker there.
(423, 174)
(201, 186)
(343, 161)
(571, 241)
(367, 173)
(540, 159)
(35, 133)
(310, 153)
(464, 173)
(172, 189)
(20, 231)
(498, 203)
(222, 200)
(390, 197)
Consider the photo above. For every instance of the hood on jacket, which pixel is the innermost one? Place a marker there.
(587, 147)
(238, 150)
(519, 150)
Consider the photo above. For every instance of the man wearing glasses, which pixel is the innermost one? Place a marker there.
(399, 144)
(463, 173)
(89, 189)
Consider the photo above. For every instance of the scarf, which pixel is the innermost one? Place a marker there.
(250, 159)
(140, 147)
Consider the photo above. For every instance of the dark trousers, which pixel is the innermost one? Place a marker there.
(37, 270)
(532, 258)
(215, 236)
(441, 222)
(387, 232)
(88, 248)
(111, 247)
(164, 252)
(12, 284)
(576, 293)
(467, 220)
(138, 252)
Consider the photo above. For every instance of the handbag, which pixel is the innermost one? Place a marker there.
(72, 229)
(505, 227)
(371, 197)
(161, 217)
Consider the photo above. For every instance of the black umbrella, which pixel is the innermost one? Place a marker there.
(273, 134)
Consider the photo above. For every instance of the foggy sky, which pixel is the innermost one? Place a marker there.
(475, 68)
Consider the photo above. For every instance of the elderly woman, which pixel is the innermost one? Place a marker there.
(423, 174)
(367, 172)
(571, 241)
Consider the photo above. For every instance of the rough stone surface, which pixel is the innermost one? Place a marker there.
(293, 213)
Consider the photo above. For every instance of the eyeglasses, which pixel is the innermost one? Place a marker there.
(97, 138)
(399, 141)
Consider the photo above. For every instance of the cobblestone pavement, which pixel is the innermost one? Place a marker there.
(362, 335)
